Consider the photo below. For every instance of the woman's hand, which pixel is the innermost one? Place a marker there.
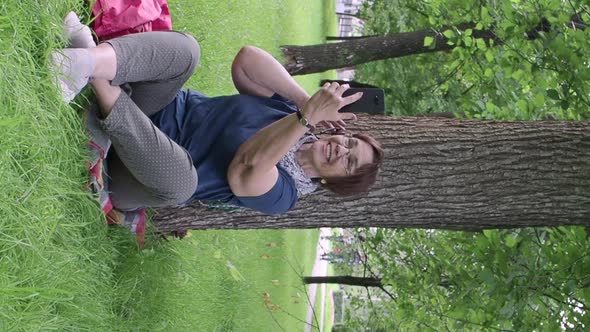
(338, 125)
(322, 108)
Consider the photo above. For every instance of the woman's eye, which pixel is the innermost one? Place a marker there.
(349, 166)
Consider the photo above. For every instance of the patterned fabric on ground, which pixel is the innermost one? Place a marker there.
(134, 221)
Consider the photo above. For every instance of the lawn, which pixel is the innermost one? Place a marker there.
(61, 268)
(329, 307)
(266, 24)
(233, 280)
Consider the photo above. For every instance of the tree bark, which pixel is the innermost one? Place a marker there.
(348, 37)
(446, 174)
(344, 280)
(301, 60)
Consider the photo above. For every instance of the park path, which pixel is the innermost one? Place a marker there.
(320, 268)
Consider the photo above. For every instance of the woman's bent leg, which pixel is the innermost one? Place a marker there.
(148, 169)
(155, 65)
(127, 193)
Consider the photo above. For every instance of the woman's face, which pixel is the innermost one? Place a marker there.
(339, 155)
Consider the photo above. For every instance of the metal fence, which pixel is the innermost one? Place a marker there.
(348, 24)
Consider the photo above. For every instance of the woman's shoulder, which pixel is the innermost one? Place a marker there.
(279, 199)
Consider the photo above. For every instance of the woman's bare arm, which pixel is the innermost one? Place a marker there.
(256, 72)
(253, 170)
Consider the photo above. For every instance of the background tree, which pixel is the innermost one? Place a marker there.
(344, 280)
(511, 280)
(445, 173)
(543, 78)
(517, 280)
(538, 73)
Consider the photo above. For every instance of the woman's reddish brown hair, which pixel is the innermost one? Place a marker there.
(364, 177)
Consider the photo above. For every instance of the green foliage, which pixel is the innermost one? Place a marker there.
(413, 85)
(518, 280)
(544, 76)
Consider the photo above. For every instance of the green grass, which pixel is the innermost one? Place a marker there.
(329, 307)
(61, 268)
(216, 279)
(330, 18)
(55, 254)
(266, 24)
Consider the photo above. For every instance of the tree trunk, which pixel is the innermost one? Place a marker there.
(348, 37)
(300, 60)
(344, 280)
(446, 174)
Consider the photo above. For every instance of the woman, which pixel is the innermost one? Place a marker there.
(171, 146)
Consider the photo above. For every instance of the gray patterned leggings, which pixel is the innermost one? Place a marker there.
(145, 167)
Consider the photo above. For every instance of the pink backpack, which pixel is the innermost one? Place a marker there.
(116, 18)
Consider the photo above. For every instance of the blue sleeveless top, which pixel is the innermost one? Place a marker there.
(212, 130)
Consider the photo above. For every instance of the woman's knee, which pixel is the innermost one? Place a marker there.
(181, 192)
(191, 44)
(195, 49)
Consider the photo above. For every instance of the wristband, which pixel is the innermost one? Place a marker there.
(303, 121)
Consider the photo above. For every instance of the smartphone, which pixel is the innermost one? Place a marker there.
(372, 101)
